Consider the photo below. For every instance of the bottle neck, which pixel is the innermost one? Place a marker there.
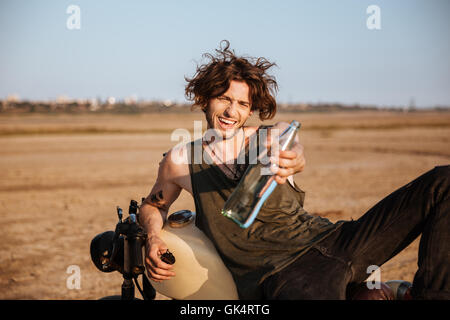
(287, 137)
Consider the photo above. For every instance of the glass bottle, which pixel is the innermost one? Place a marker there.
(254, 187)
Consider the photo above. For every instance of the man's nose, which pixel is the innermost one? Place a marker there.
(231, 110)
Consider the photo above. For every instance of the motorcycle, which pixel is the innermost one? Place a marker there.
(201, 273)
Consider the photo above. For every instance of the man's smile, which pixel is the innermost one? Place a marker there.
(226, 123)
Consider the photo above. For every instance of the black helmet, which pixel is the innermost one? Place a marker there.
(101, 250)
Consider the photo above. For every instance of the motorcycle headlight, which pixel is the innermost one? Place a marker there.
(101, 250)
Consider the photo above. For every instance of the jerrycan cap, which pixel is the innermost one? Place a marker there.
(180, 218)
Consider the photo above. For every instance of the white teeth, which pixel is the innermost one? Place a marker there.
(227, 121)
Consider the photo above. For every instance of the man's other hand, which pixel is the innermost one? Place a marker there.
(157, 270)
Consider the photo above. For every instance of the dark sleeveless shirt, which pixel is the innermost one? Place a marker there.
(280, 234)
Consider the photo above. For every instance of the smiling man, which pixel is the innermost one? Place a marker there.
(287, 253)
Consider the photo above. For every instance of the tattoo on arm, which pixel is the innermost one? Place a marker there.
(157, 200)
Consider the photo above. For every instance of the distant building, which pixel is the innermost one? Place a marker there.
(12, 98)
(111, 100)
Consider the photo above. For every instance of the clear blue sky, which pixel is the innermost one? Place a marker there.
(323, 49)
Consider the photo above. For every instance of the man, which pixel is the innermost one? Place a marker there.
(287, 253)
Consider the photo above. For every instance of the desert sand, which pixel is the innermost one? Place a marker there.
(62, 177)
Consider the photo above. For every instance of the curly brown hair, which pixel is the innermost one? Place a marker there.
(213, 79)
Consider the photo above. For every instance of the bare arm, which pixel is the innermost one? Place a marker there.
(153, 214)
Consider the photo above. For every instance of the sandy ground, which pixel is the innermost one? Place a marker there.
(62, 177)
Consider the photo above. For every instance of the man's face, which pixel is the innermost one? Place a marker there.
(228, 112)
